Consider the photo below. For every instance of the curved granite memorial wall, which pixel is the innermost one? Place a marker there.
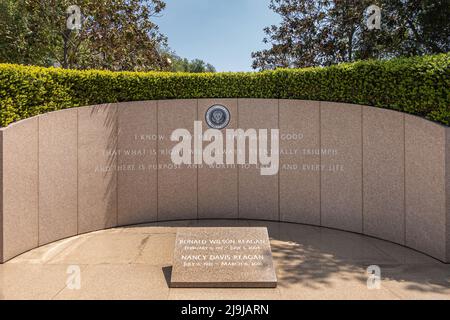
(355, 168)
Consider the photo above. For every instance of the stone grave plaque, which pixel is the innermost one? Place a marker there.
(223, 258)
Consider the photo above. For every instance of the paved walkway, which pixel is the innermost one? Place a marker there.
(311, 263)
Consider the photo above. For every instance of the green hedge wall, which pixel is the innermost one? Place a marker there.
(419, 85)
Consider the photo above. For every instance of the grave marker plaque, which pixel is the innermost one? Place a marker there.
(223, 257)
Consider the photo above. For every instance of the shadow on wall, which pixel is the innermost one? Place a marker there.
(97, 172)
(112, 126)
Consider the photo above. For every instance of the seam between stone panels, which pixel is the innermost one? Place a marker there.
(1, 196)
(279, 197)
(157, 160)
(447, 201)
(362, 169)
(78, 169)
(197, 166)
(320, 163)
(38, 173)
(237, 164)
(447, 192)
(404, 179)
(116, 113)
(446, 233)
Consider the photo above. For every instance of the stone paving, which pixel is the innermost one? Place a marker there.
(311, 263)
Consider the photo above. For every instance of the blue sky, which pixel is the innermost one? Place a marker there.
(221, 32)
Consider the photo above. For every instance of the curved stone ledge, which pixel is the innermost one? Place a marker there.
(355, 168)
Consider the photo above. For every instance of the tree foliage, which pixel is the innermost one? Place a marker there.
(325, 32)
(115, 35)
(179, 64)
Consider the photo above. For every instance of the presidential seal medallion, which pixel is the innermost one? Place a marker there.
(217, 117)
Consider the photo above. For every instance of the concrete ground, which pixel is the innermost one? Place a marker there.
(311, 263)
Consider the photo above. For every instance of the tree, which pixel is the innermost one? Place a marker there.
(115, 34)
(22, 36)
(179, 64)
(325, 32)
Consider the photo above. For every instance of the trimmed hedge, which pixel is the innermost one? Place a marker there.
(419, 85)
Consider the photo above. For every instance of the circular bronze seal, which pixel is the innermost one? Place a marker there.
(217, 117)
